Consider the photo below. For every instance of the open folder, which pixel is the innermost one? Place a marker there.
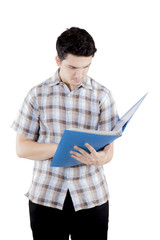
(97, 139)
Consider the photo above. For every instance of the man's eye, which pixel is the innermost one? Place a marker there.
(72, 68)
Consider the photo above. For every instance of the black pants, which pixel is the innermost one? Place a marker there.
(54, 224)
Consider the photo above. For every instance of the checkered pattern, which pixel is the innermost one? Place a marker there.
(47, 111)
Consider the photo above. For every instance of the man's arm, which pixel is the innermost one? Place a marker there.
(27, 148)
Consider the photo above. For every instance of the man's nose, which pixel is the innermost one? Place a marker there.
(79, 73)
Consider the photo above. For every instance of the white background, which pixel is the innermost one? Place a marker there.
(127, 36)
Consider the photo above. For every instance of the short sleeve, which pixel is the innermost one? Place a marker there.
(27, 120)
(108, 113)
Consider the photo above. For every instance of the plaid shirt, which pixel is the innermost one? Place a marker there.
(49, 109)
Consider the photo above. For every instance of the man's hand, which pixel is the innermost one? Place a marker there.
(94, 157)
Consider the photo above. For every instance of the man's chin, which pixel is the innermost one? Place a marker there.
(77, 81)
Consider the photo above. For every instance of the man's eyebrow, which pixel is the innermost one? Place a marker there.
(78, 67)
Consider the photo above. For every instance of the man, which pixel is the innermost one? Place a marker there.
(74, 200)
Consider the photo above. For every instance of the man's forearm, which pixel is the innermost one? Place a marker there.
(33, 150)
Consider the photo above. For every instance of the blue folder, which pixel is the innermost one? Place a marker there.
(97, 139)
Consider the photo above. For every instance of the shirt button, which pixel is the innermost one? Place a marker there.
(69, 112)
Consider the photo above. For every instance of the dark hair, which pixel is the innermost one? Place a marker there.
(75, 41)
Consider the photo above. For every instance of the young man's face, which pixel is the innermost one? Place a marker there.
(73, 69)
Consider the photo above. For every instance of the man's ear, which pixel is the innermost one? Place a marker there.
(58, 61)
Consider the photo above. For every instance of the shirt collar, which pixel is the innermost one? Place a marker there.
(86, 83)
(55, 80)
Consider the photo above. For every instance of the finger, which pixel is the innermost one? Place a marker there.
(82, 160)
(76, 153)
(81, 150)
(75, 157)
(90, 148)
(107, 147)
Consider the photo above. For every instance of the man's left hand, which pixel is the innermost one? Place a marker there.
(93, 157)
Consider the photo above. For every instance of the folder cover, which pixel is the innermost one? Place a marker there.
(97, 139)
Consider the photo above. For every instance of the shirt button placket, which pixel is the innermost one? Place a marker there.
(68, 177)
(69, 112)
